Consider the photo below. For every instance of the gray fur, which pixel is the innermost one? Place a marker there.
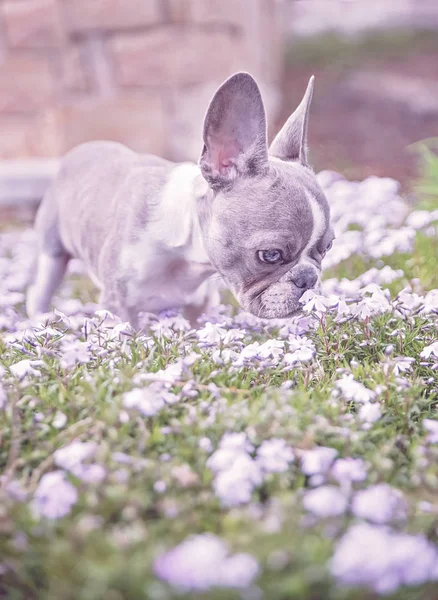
(291, 141)
(152, 233)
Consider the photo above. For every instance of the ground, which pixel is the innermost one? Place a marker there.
(375, 97)
(244, 459)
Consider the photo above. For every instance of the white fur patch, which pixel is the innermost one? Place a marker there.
(319, 224)
(176, 215)
(172, 235)
(174, 223)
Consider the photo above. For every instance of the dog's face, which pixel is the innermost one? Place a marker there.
(266, 221)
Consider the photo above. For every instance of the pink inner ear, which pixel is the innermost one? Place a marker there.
(223, 154)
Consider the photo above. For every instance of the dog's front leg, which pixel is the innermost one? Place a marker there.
(50, 271)
(192, 312)
(209, 300)
(110, 300)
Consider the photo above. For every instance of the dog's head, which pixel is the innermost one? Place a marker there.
(266, 221)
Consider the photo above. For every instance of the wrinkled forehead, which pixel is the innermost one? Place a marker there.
(286, 202)
(299, 183)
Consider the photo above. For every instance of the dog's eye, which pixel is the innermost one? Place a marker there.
(271, 257)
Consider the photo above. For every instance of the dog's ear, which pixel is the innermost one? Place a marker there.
(235, 139)
(291, 141)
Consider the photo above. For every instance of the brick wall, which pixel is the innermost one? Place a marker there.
(137, 71)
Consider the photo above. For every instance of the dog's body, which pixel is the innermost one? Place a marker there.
(132, 219)
(152, 233)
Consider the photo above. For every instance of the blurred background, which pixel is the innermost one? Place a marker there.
(142, 72)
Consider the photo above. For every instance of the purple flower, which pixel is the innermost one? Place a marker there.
(380, 504)
(376, 557)
(54, 496)
(202, 562)
(318, 460)
(431, 426)
(325, 501)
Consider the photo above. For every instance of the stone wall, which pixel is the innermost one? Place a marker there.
(136, 71)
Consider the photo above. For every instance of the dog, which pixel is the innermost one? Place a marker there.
(153, 233)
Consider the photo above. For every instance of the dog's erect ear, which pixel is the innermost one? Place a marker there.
(235, 139)
(291, 141)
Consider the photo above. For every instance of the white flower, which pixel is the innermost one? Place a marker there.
(226, 355)
(419, 219)
(374, 304)
(430, 302)
(343, 310)
(89, 473)
(247, 354)
(371, 412)
(75, 352)
(380, 504)
(235, 484)
(145, 400)
(409, 300)
(72, 457)
(431, 426)
(373, 556)
(274, 456)
(353, 390)
(233, 336)
(202, 562)
(300, 350)
(236, 441)
(172, 373)
(318, 460)
(11, 299)
(68, 457)
(54, 496)
(233, 488)
(236, 472)
(239, 571)
(211, 334)
(302, 355)
(160, 487)
(380, 276)
(403, 364)
(313, 302)
(205, 444)
(325, 501)
(431, 350)
(26, 367)
(59, 420)
(271, 348)
(347, 470)
(223, 459)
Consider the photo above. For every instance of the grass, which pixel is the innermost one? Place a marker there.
(336, 52)
(422, 262)
(427, 184)
(106, 545)
(420, 265)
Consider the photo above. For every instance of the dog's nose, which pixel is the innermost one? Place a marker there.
(305, 278)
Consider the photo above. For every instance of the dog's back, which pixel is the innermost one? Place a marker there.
(100, 189)
(94, 182)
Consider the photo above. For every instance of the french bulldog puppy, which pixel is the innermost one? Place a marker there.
(152, 233)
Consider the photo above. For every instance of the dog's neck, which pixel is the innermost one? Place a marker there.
(169, 256)
(176, 224)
